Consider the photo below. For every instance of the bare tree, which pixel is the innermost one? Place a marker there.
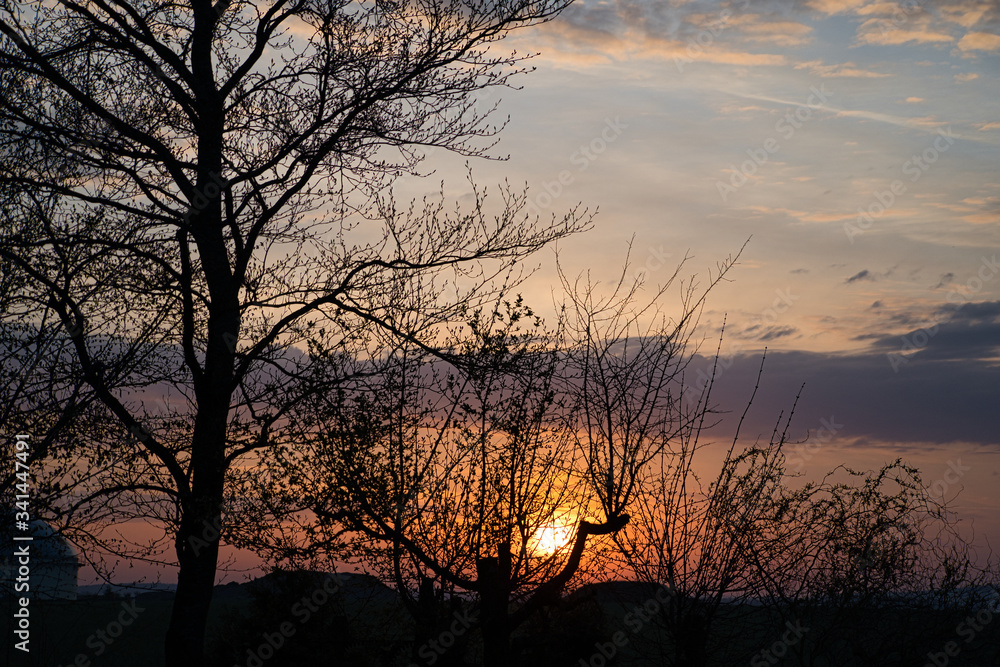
(441, 473)
(861, 550)
(749, 557)
(688, 525)
(192, 189)
(453, 471)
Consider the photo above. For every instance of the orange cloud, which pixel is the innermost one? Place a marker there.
(965, 14)
(884, 32)
(777, 33)
(683, 52)
(986, 218)
(803, 216)
(842, 70)
(835, 6)
(979, 41)
(581, 45)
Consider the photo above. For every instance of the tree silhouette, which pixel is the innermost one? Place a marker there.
(747, 553)
(445, 472)
(686, 531)
(856, 548)
(194, 189)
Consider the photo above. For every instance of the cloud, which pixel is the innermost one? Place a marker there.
(773, 333)
(965, 14)
(714, 53)
(914, 100)
(979, 41)
(976, 311)
(832, 7)
(970, 331)
(981, 210)
(775, 33)
(984, 218)
(766, 332)
(876, 32)
(897, 22)
(842, 70)
(923, 401)
(681, 33)
(864, 274)
(803, 216)
(969, 76)
(992, 125)
(945, 280)
(928, 124)
(888, 24)
(599, 34)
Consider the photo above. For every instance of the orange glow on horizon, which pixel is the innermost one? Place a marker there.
(552, 537)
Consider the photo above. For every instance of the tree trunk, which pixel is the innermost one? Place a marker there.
(201, 508)
(426, 619)
(198, 537)
(690, 636)
(494, 580)
(199, 547)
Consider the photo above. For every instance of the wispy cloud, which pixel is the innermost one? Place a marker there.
(755, 29)
(874, 31)
(832, 7)
(841, 70)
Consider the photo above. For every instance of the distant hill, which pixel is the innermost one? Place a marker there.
(124, 590)
(618, 592)
(355, 586)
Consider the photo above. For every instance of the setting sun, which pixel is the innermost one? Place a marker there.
(552, 537)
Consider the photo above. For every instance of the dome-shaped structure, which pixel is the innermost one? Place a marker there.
(52, 563)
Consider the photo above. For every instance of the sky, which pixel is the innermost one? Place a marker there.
(855, 144)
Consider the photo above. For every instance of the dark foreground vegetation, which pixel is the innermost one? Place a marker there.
(288, 620)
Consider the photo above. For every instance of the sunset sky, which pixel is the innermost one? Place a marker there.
(857, 144)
